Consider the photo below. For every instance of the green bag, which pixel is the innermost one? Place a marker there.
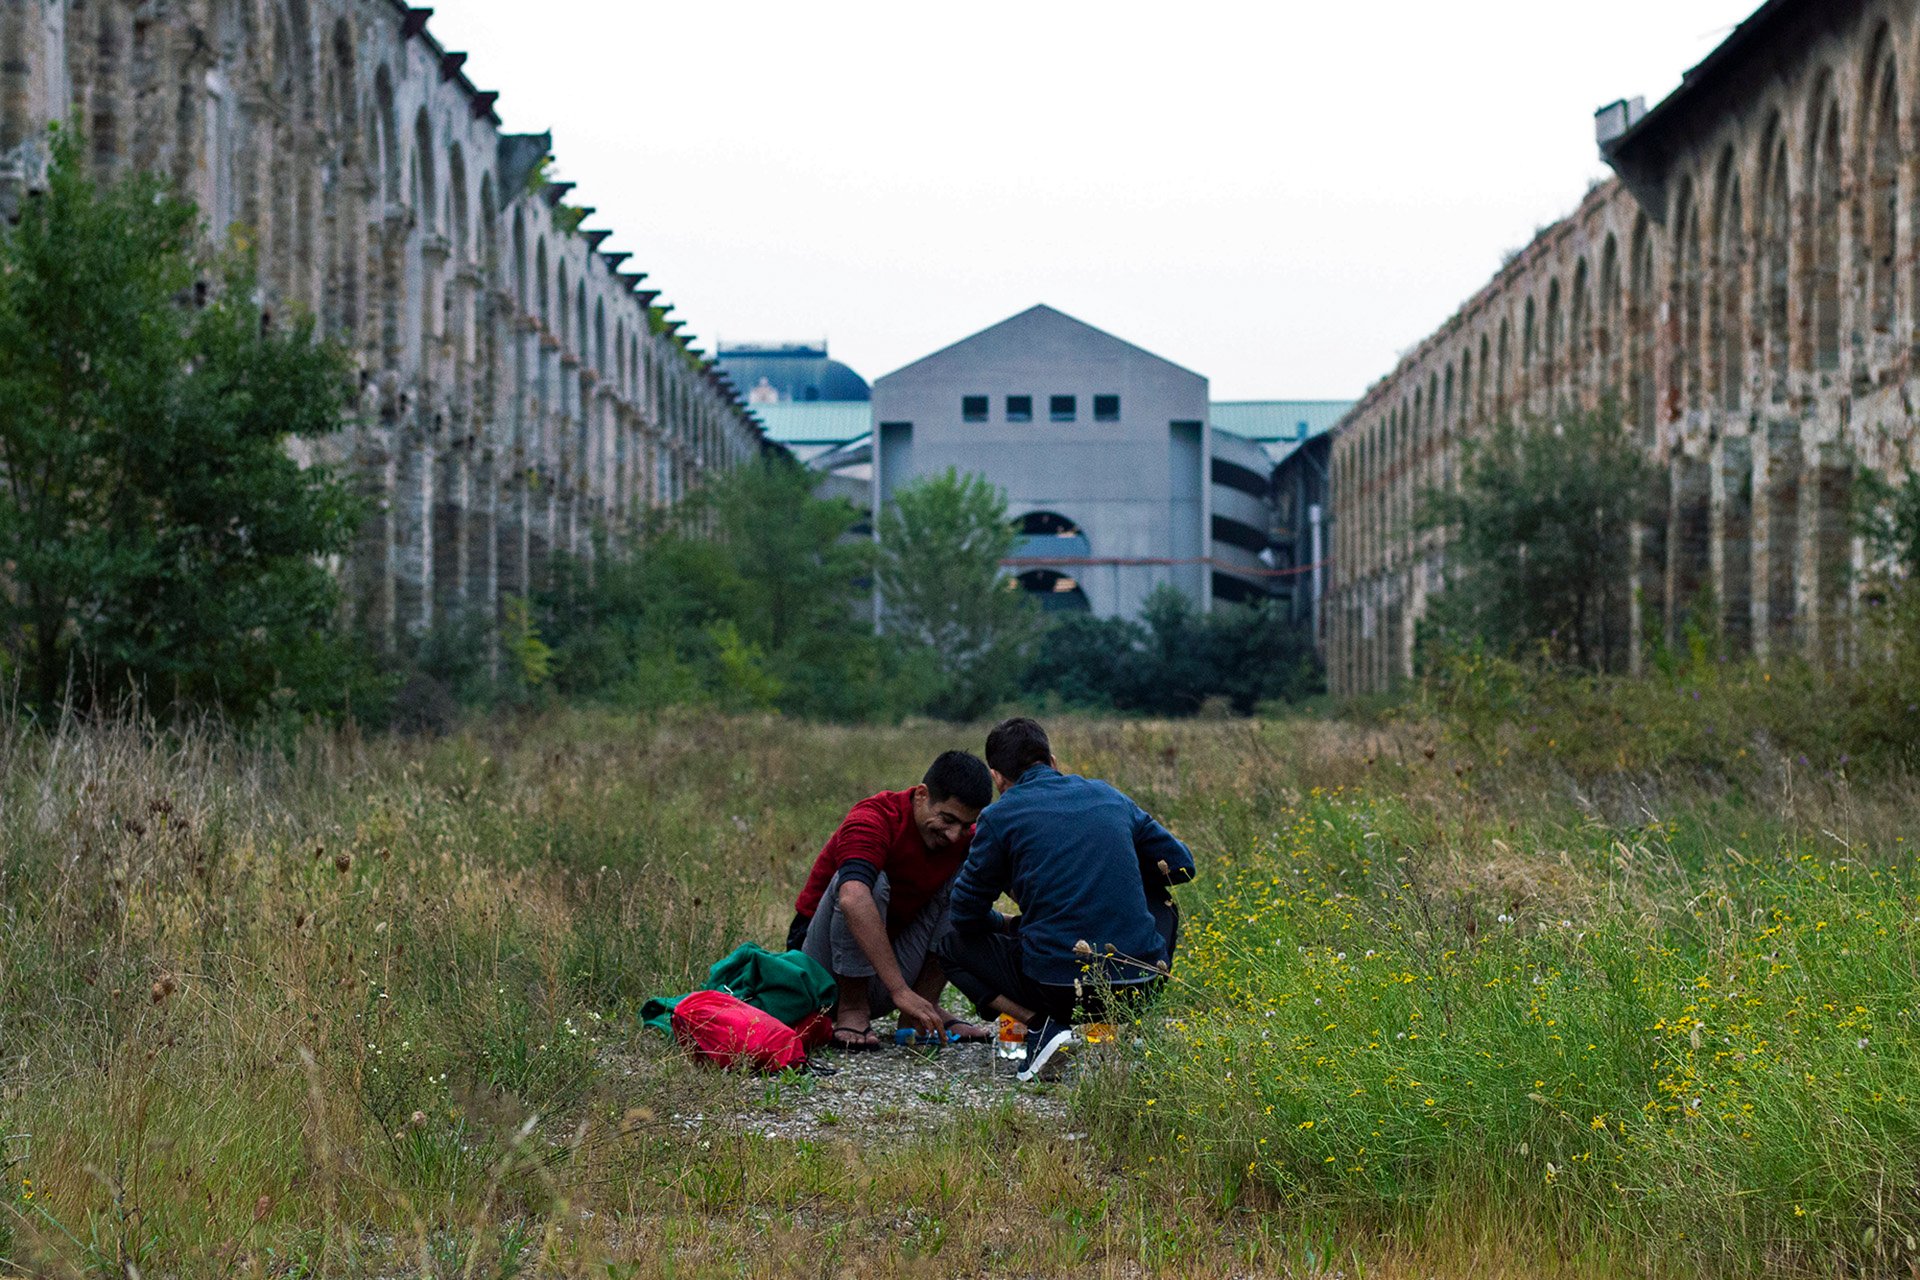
(790, 985)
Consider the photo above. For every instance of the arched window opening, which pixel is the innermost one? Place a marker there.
(1606, 337)
(1774, 269)
(1825, 236)
(1691, 285)
(1528, 338)
(1580, 333)
(1881, 242)
(1502, 385)
(1640, 323)
(1730, 326)
(1555, 347)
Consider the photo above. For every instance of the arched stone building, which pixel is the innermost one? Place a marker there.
(1747, 287)
(518, 386)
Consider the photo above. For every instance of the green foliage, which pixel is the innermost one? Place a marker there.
(1688, 1036)
(1889, 521)
(1539, 553)
(744, 596)
(159, 538)
(942, 597)
(1176, 662)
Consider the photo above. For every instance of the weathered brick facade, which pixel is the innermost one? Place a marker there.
(517, 385)
(1748, 289)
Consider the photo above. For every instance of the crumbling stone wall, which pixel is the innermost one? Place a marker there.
(518, 387)
(1748, 292)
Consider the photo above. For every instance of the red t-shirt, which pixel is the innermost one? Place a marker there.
(880, 830)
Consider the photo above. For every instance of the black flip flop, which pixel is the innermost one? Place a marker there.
(869, 1045)
(954, 1037)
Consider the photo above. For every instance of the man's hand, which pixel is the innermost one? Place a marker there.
(917, 1011)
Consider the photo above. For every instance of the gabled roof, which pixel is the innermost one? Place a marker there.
(1034, 320)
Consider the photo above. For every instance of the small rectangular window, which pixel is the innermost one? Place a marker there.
(1061, 408)
(1106, 408)
(973, 408)
(1019, 408)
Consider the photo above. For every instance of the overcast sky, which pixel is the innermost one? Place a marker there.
(1279, 195)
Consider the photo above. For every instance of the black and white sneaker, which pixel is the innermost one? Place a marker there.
(1044, 1040)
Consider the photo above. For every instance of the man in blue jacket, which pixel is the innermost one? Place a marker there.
(1090, 872)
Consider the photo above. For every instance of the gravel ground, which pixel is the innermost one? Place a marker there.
(895, 1092)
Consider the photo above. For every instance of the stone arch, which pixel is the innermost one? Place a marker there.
(1690, 291)
(519, 250)
(1502, 384)
(343, 103)
(459, 221)
(1480, 390)
(1878, 246)
(1642, 316)
(1729, 340)
(542, 309)
(1607, 330)
(1774, 263)
(387, 142)
(1825, 208)
(1554, 346)
(1580, 332)
(1529, 342)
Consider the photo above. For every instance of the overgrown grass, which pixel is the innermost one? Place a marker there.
(365, 1007)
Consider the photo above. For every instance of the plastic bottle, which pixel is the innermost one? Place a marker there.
(1013, 1037)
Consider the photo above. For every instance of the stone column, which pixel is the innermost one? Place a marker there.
(413, 532)
(1826, 554)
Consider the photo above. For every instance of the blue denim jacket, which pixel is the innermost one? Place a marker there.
(1078, 855)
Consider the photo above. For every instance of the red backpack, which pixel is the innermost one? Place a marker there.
(727, 1031)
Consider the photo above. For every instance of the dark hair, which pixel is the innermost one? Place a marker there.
(959, 775)
(1017, 745)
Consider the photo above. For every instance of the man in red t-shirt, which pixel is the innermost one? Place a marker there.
(877, 900)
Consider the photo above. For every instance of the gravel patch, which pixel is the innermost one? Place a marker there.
(897, 1092)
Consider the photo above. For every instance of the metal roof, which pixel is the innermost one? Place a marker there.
(1260, 421)
(815, 421)
(1265, 420)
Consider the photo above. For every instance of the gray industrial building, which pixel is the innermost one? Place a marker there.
(1121, 472)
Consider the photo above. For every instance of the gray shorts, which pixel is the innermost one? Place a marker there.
(831, 942)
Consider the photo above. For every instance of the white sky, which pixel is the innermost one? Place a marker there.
(1281, 196)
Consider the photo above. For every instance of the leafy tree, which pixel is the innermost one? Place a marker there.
(942, 597)
(744, 595)
(1539, 553)
(157, 535)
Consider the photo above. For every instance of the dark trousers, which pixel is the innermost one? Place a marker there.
(986, 966)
